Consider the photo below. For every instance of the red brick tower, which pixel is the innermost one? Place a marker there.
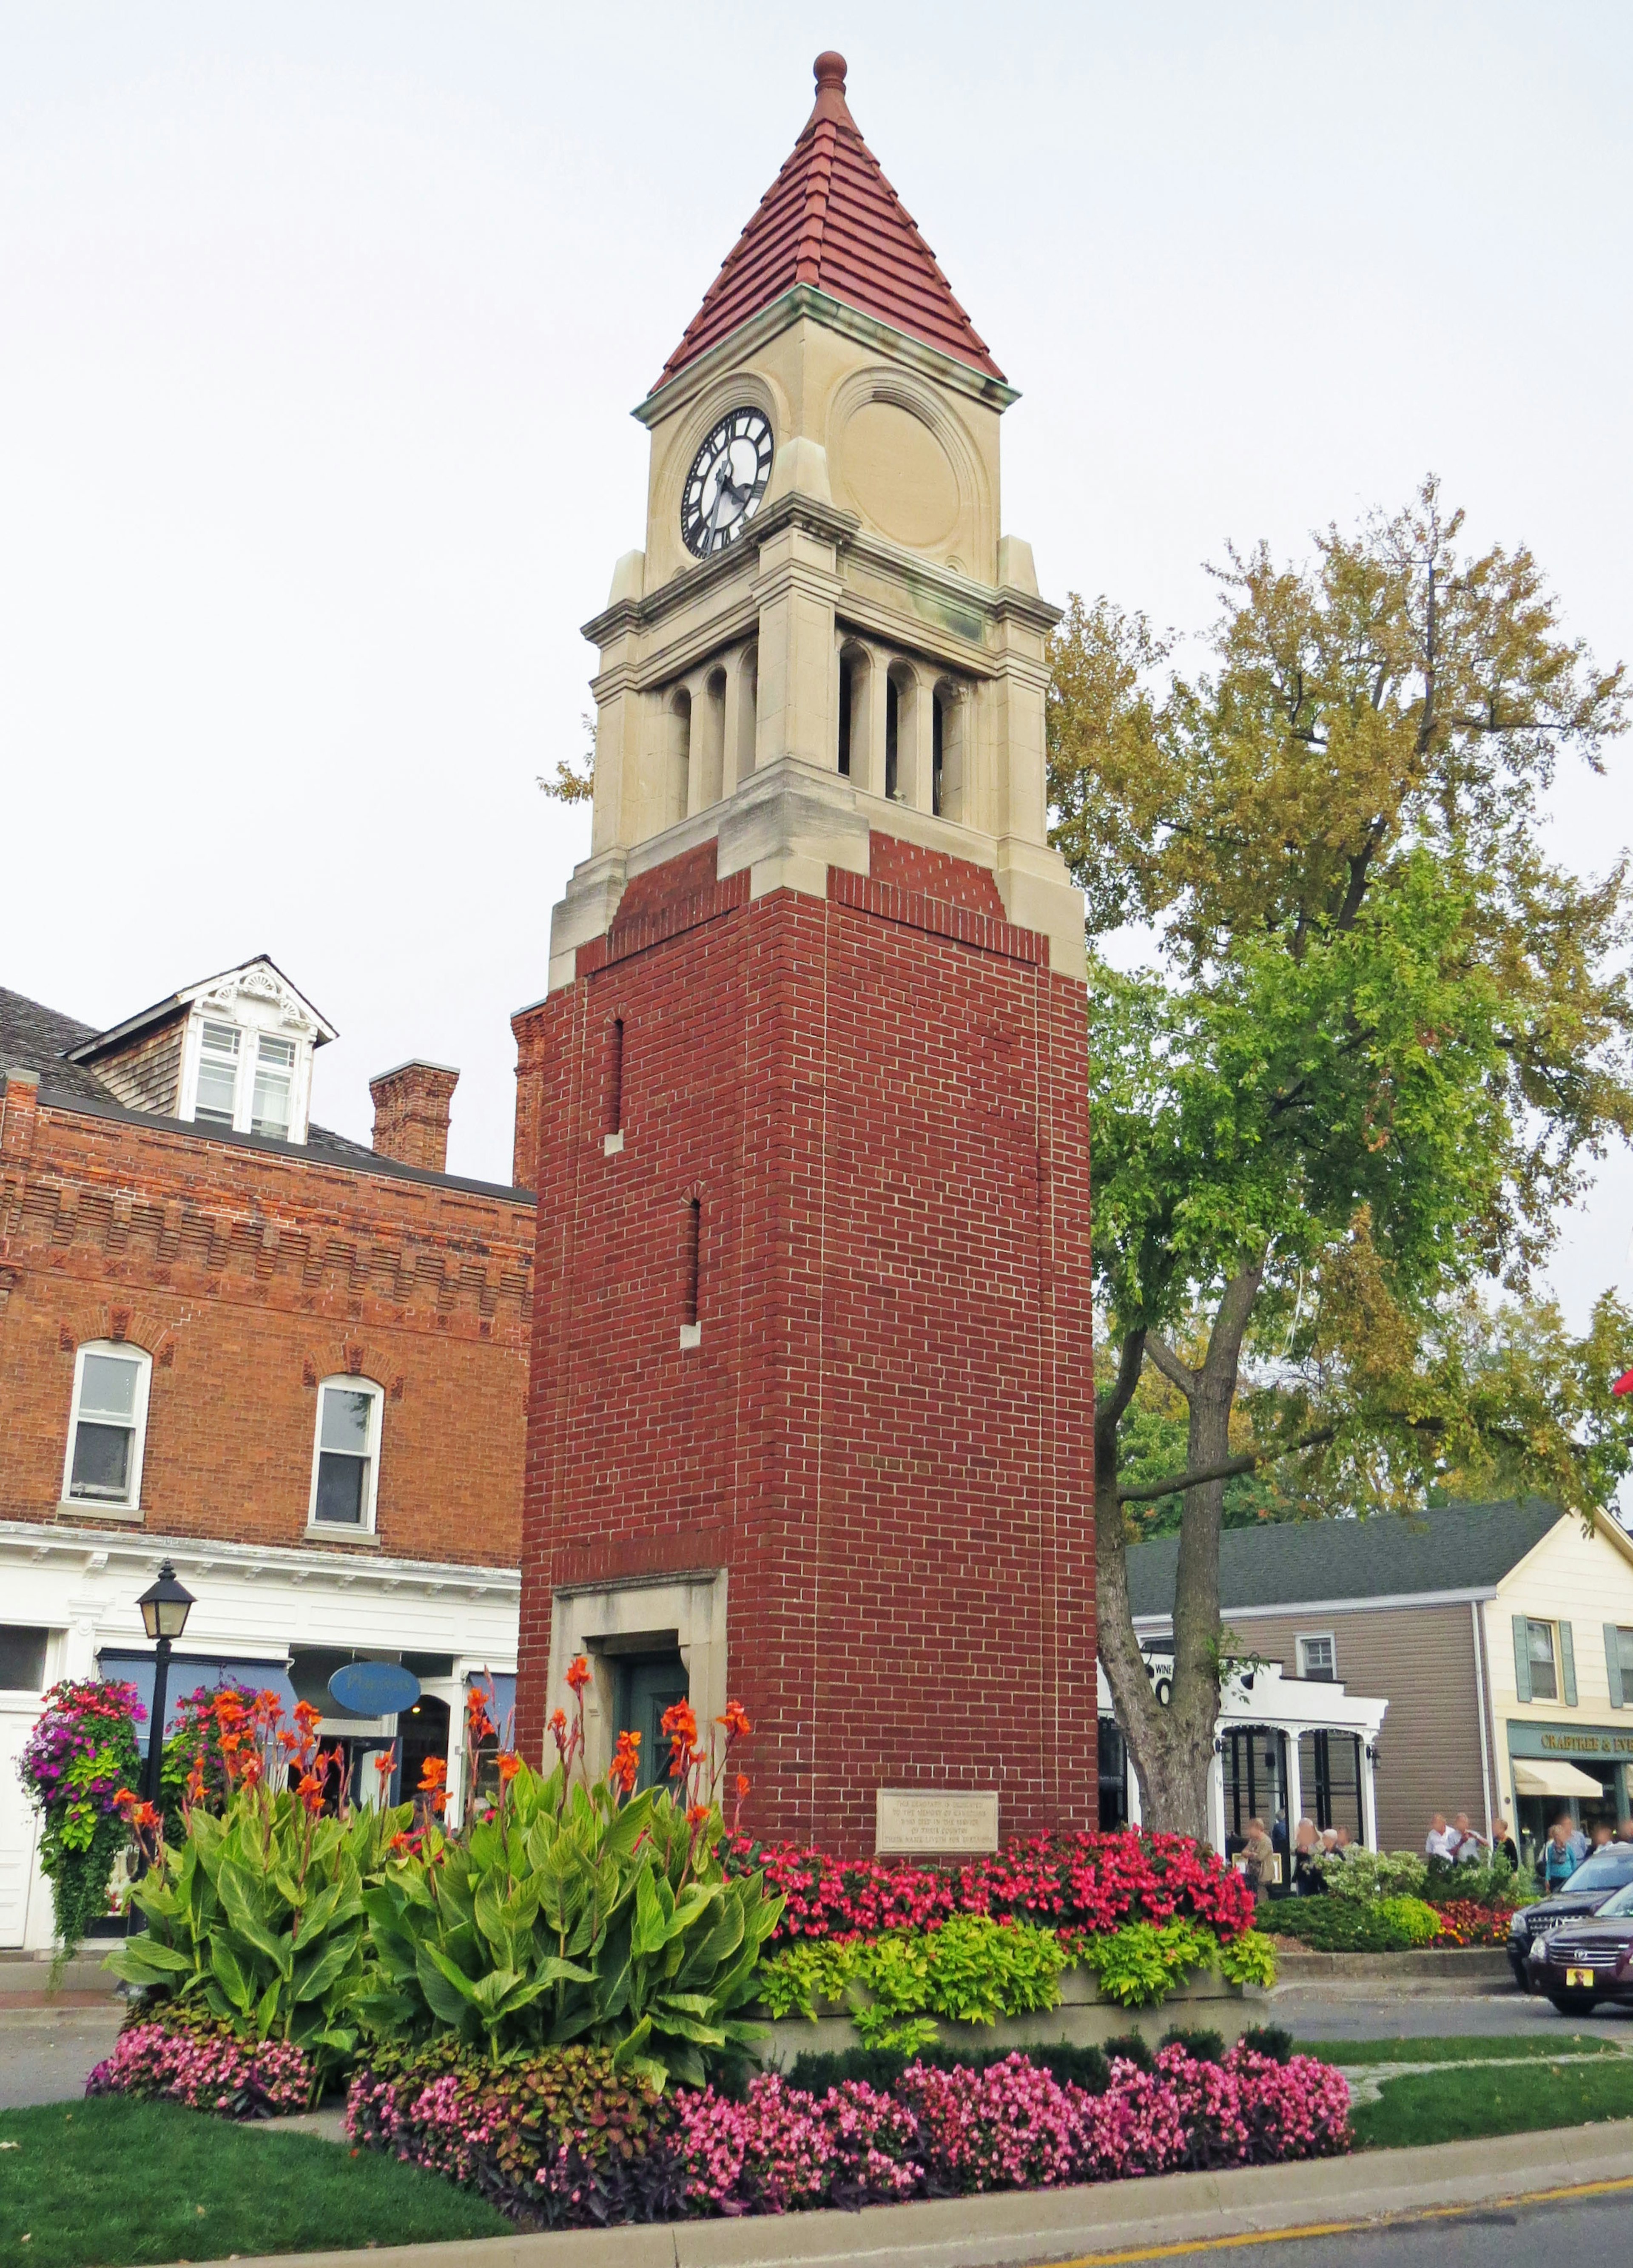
(806, 1102)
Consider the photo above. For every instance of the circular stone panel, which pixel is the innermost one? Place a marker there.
(899, 475)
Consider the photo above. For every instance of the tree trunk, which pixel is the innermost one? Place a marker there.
(1172, 1746)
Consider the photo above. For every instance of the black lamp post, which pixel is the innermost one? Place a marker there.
(164, 1607)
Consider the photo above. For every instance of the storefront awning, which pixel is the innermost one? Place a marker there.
(188, 1672)
(1532, 1778)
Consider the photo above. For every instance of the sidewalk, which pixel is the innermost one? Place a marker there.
(1081, 2225)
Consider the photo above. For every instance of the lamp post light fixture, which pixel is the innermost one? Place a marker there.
(166, 1606)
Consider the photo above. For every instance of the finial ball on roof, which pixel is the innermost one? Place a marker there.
(830, 70)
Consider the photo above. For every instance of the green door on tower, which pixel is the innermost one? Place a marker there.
(649, 1683)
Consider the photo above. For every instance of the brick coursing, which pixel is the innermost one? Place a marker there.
(880, 1101)
(250, 1275)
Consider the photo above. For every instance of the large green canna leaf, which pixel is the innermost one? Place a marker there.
(449, 1991)
(147, 1960)
(651, 1921)
(240, 1897)
(239, 1988)
(313, 1977)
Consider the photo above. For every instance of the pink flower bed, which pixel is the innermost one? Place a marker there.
(1082, 1882)
(939, 2133)
(206, 2070)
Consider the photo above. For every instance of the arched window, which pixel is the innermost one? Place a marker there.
(848, 693)
(947, 783)
(680, 757)
(108, 1426)
(345, 1456)
(892, 737)
(710, 741)
(748, 712)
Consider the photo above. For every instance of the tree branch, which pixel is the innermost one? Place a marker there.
(1147, 1492)
(1177, 1373)
(1109, 1408)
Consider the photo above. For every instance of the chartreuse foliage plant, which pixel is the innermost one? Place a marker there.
(578, 1913)
(1140, 1964)
(972, 1969)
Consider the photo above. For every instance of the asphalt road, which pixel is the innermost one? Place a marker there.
(1309, 2015)
(1590, 2232)
(46, 2055)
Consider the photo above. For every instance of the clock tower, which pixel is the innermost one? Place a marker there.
(805, 1102)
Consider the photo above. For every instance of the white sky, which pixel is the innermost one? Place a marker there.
(320, 326)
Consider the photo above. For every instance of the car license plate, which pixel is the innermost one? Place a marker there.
(1575, 1977)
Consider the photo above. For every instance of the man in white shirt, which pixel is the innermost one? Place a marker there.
(1469, 1845)
(1441, 1841)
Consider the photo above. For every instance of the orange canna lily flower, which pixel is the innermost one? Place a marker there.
(578, 1673)
(736, 1721)
(626, 1767)
(509, 1765)
(742, 1785)
(385, 1762)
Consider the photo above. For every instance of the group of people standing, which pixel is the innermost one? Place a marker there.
(1260, 1859)
(1567, 1846)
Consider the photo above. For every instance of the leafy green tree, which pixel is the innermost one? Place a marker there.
(1384, 1039)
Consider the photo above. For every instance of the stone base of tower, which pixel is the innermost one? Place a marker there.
(854, 1492)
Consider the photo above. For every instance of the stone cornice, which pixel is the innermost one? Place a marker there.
(804, 302)
(139, 1546)
(824, 520)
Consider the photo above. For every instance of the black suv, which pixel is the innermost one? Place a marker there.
(1601, 1874)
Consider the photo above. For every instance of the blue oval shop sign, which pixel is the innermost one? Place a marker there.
(373, 1688)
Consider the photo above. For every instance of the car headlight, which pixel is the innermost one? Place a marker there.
(1516, 1926)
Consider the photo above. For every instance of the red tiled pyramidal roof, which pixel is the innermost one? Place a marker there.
(830, 219)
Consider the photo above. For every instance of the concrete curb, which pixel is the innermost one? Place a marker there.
(1013, 2227)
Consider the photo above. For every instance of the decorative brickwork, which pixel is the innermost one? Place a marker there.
(250, 1273)
(883, 1433)
(411, 1114)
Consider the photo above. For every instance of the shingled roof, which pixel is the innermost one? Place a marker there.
(830, 219)
(1458, 1547)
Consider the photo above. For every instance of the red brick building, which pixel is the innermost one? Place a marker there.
(810, 1404)
(294, 1364)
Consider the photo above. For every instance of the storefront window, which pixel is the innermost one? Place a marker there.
(1329, 1775)
(1112, 1750)
(1255, 1784)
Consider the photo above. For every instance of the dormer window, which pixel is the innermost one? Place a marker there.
(246, 1080)
(234, 1052)
(218, 1075)
(275, 1070)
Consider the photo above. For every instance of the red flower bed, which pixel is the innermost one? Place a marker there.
(1464, 1922)
(1082, 1880)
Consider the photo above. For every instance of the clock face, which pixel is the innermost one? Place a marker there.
(726, 483)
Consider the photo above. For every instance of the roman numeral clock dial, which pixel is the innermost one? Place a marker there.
(726, 483)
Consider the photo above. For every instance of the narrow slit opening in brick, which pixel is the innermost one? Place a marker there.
(615, 1077)
(689, 1262)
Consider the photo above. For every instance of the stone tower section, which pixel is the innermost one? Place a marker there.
(806, 1100)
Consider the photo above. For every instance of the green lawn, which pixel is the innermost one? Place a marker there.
(1474, 2049)
(1454, 2106)
(110, 2183)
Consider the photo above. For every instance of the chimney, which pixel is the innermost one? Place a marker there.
(411, 1114)
(19, 1107)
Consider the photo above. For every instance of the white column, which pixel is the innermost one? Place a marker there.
(920, 789)
(1369, 1797)
(1295, 1785)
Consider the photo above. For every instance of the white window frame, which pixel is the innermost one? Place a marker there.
(344, 1382)
(129, 1505)
(1557, 1698)
(1307, 1639)
(298, 1070)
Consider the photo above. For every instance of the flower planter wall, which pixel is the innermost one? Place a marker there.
(1083, 2018)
